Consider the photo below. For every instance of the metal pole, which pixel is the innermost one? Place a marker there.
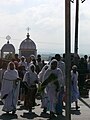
(76, 27)
(68, 58)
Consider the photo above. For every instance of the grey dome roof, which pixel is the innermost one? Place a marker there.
(8, 48)
(27, 44)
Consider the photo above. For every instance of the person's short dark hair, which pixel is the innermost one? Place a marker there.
(16, 55)
(85, 56)
(38, 56)
(57, 57)
(82, 59)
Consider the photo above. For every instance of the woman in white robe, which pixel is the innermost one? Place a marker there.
(10, 89)
(51, 88)
(30, 80)
(43, 94)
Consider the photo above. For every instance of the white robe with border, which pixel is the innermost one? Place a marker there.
(10, 87)
(51, 88)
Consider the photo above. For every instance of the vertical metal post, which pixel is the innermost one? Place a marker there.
(68, 58)
(76, 27)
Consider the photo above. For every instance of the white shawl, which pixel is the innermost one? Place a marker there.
(8, 79)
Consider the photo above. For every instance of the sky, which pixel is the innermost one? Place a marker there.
(46, 20)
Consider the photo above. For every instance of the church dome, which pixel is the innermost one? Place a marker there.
(8, 48)
(27, 44)
(27, 47)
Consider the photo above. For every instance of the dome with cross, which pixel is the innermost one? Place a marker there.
(27, 44)
(27, 47)
(7, 48)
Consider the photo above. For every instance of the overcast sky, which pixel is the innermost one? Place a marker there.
(46, 19)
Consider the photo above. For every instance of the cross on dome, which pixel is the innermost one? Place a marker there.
(28, 29)
(8, 38)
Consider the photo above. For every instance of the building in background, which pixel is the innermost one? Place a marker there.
(27, 47)
(7, 51)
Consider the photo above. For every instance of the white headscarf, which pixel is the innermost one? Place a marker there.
(30, 77)
(29, 68)
(56, 71)
(10, 74)
(8, 67)
(41, 74)
(52, 61)
(8, 80)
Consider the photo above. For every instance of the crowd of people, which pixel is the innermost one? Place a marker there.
(25, 79)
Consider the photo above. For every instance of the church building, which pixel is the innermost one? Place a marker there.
(27, 47)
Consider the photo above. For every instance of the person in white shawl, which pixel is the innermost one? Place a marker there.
(52, 88)
(30, 80)
(41, 73)
(10, 89)
(43, 95)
